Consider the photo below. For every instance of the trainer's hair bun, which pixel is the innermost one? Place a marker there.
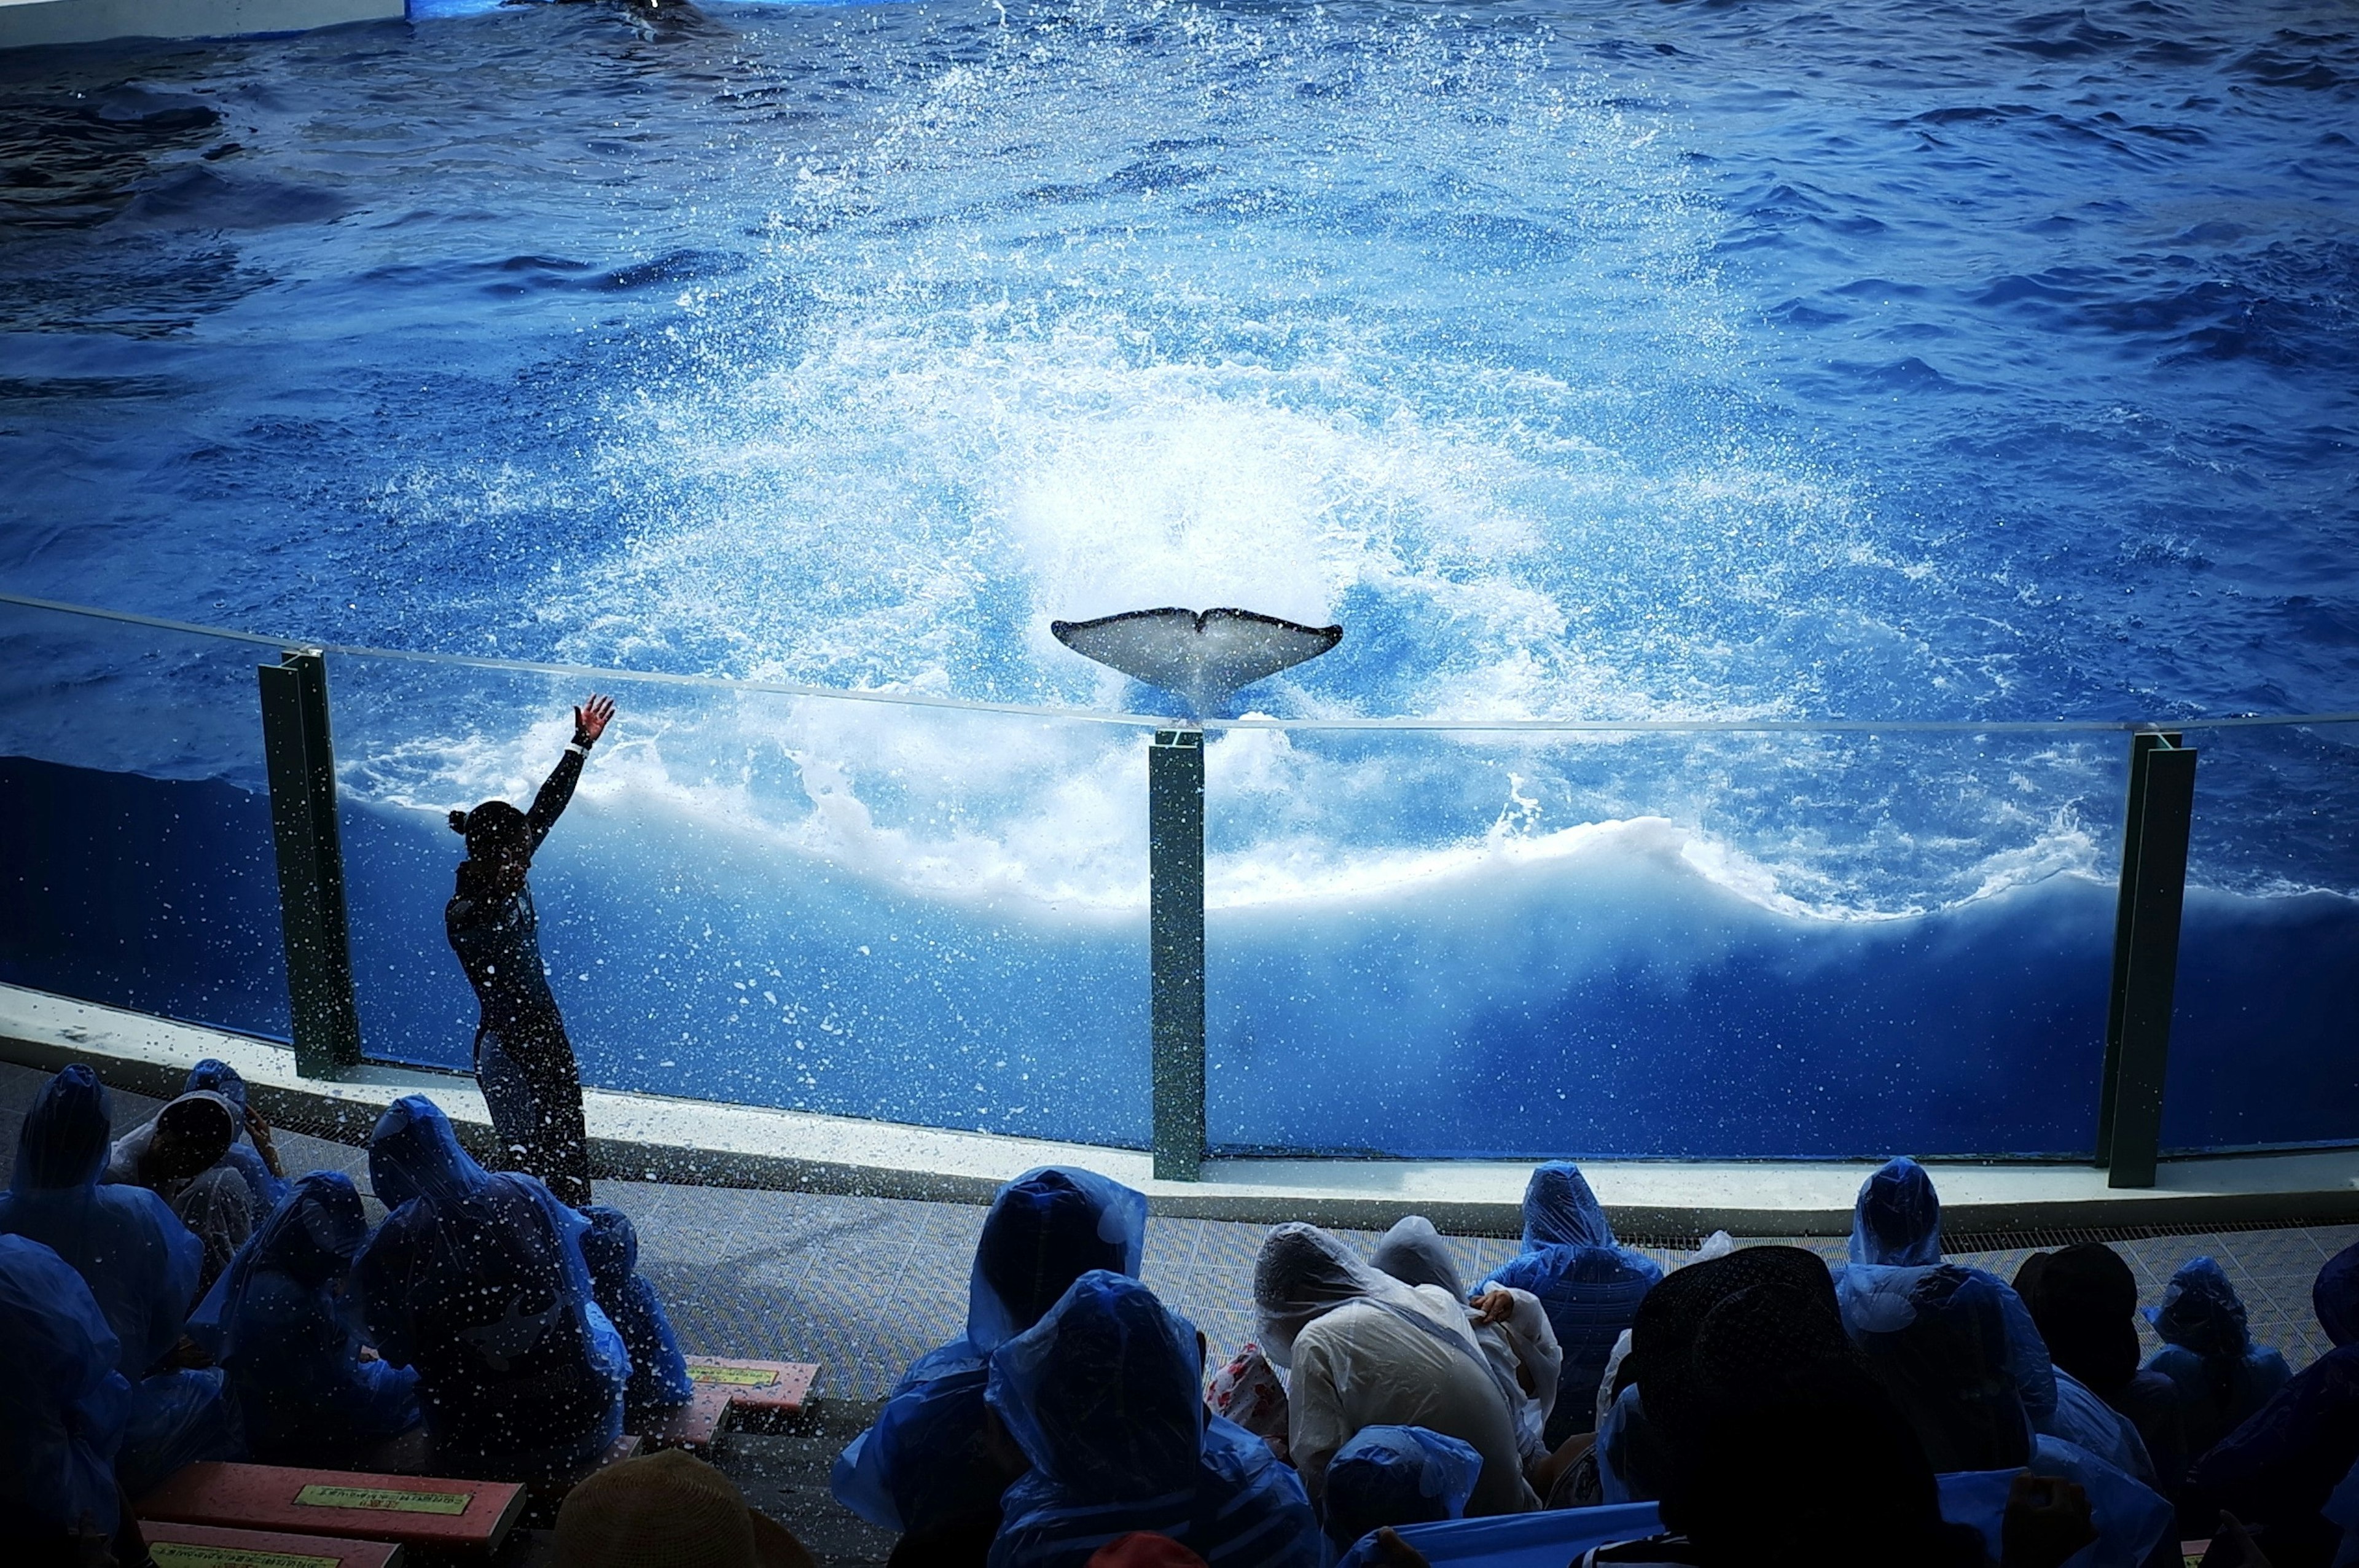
(458, 822)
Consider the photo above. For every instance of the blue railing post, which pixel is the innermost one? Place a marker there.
(301, 759)
(2156, 826)
(1175, 876)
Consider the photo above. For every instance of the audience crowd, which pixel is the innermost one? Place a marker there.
(171, 1296)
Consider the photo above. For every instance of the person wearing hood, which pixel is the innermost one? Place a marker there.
(140, 1263)
(1510, 1325)
(63, 1407)
(251, 1150)
(1895, 1232)
(932, 1467)
(1104, 1398)
(181, 1156)
(1589, 1285)
(2085, 1301)
(610, 1248)
(477, 1280)
(524, 1059)
(2280, 1468)
(2219, 1376)
(1366, 1350)
(281, 1324)
(1395, 1475)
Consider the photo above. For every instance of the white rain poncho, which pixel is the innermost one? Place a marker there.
(1367, 1350)
(1397, 1475)
(281, 1323)
(215, 1076)
(477, 1280)
(926, 1464)
(1525, 1359)
(1104, 1397)
(63, 1406)
(1589, 1285)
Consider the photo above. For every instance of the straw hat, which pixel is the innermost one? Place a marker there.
(668, 1511)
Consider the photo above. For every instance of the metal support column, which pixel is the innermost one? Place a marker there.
(301, 761)
(2161, 809)
(1175, 858)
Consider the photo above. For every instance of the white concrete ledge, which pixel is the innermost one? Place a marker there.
(703, 1142)
(28, 21)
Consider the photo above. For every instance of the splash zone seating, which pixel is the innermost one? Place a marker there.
(433, 1511)
(211, 1546)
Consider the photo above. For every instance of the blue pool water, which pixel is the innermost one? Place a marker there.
(1595, 360)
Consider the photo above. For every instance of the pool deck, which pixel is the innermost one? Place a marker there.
(27, 23)
(705, 1143)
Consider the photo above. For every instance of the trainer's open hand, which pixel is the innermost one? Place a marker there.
(590, 719)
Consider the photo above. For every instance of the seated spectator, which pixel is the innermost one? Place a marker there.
(251, 1152)
(277, 1322)
(2085, 1300)
(181, 1156)
(2278, 1470)
(932, 1467)
(63, 1411)
(1589, 1286)
(2220, 1376)
(1397, 1475)
(668, 1510)
(1366, 1350)
(1896, 1226)
(140, 1264)
(477, 1280)
(1510, 1325)
(610, 1248)
(1104, 1396)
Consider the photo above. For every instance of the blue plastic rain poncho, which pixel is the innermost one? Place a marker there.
(1104, 1397)
(477, 1280)
(62, 1403)
(2220, 1376)
(2280, 1466)
(610, 1248)
(925, 1463)
(279, 1321)
(1397, 1475)
(1589, 1286)
(1897, 1219)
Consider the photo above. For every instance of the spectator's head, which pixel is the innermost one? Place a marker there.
(1899, 1217)
(192, 1135)
(2334, 1296)
(1397, 1475)
(1046, 1230)
(1302, 1274)
(221, 1078)
(63, 1142)
(1561, 1211)
(313, 1234)
(1414, 1254)
(1941, 1353)
(1663, 1336)
(414, 1154)
(499, 844)
(2085, 1301)
(1105, 1393)
(668, 1510)
(610, 1247)
(1143, 1549)
(2202, 1311)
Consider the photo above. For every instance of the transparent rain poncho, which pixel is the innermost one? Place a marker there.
(1589, 1285)
(1104, 1396)
(1522, 1347)
(281, 1323)
(1897, 1218)
(477, 1280)
(2220, 1376)
(63, 1406)
(925, 1461)
(1397, 1475)
(610, 1248)
(213, 1076)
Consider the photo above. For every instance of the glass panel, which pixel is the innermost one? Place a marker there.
(136, 861)
(864, 909)
(2262, 1032)
(1660, 945)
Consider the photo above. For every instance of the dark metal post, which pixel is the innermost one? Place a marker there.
(301, 761)
(1175, 858)
(2161, 811)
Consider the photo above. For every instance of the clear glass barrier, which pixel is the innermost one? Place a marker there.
(136, 859)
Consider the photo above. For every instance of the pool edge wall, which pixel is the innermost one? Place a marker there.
(25, 24)
(651, 1138)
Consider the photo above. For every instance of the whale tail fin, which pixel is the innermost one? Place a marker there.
(1202, 659)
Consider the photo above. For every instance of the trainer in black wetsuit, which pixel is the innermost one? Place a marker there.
(523, 1060)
